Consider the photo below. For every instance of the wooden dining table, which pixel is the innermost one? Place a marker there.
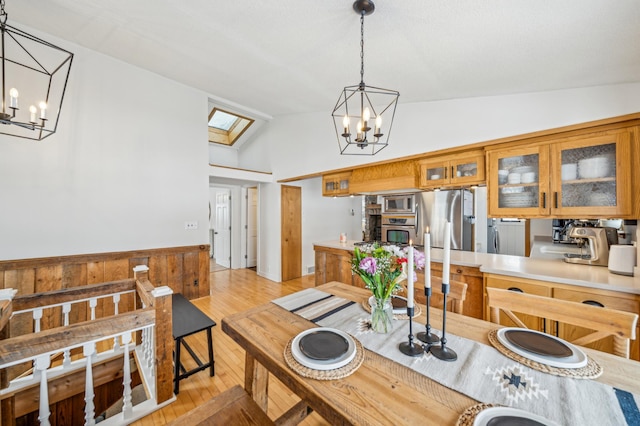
(381, 391)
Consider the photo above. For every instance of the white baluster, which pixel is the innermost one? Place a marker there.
(66, 309)
(93, 302)
(37, 316)
(116, 301)
(89, 349)
(127, 407)
(41, 364)
(149, 351)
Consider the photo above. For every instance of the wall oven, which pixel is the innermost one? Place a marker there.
(398, 229)
(404, 204)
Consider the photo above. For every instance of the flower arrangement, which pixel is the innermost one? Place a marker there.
(381, 267)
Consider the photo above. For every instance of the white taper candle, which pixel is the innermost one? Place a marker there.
(410, 276)
(427, 259)
(447, 254)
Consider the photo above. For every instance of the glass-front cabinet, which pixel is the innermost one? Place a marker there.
(452, 170)
(336, 185)
(580, 177)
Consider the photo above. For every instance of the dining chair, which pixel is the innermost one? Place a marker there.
(604, 321)
(455, 298)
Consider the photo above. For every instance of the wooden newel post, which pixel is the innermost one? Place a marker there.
(7, 405)
(164, 343)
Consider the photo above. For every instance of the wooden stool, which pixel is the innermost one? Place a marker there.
(232, 407)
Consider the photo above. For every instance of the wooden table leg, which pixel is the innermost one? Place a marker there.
(256, 381)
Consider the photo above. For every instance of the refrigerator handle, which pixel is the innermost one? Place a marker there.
(496, 239)
(417, 227)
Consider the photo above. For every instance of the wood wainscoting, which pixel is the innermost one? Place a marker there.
(184, 269)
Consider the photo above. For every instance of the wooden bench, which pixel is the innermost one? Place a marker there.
(232, 407)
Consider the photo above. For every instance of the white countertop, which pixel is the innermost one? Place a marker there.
(552, 270)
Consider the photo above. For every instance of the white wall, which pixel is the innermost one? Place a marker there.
(303, 144)
(125, 170)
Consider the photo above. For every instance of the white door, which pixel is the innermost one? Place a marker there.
(252, 227)
(222, 229)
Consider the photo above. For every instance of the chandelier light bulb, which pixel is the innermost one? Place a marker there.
(366, 116)
(33, 110)
(13, 98)
(43, 110)
(345, 123)
(378, 124)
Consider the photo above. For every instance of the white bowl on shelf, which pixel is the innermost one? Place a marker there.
(528, 177)
(569, 171)
(513, 178)
(434, 177)
(594, 168)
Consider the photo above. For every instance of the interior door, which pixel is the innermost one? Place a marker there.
(252, 227)
(222, 230)
(291, 232)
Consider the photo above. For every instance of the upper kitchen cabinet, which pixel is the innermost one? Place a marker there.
(571, 177)
(336, 185)
(452, 170)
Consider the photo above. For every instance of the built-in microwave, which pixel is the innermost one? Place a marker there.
(399, 204)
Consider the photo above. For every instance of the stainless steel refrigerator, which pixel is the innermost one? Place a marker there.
(435, 208)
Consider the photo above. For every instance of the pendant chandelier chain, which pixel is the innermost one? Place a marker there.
(361, 47)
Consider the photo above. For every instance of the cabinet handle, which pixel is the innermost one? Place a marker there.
(555, 200)
(593, 303)
(452, 175)
(458, 271)
(544, 200)
(446, 170)
(516, 289)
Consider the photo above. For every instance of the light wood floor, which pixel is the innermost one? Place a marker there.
(232, 291)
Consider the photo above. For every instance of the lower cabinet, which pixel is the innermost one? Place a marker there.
(332, 265)
(473, 304)
(522, 286)
(604, 298)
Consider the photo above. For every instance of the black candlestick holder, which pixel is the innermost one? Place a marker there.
(409, 348)
(442, 352)
(427, 336)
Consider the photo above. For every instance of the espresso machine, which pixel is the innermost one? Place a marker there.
(595, 241)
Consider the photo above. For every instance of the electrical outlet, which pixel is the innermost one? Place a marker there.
(191, 225)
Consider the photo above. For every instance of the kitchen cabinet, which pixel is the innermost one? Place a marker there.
(466, 274)
(582, 177)
(523, 286)
(630, 303)
(336, 185)
(332, 265)
(605, 298)
(454, 170)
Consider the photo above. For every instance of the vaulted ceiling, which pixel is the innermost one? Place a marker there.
(290, 56)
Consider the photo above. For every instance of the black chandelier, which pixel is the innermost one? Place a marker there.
(36, 71)
(361, 108)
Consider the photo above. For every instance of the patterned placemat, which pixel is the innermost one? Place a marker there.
(337, 373)
(416, 311)
(468, 416)
(590, 371)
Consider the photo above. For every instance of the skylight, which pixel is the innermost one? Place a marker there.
(226, 127)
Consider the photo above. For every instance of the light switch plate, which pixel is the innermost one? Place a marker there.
(191, 225)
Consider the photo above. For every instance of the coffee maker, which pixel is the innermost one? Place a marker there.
(595, 241)
(560, 230)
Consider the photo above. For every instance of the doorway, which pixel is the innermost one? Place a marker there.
(252, 227)
(221, 228)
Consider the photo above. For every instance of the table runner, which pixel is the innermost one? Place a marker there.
(481, 372)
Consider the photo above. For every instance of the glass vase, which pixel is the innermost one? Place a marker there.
(381, 316)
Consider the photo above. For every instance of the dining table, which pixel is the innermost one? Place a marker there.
(381, 390)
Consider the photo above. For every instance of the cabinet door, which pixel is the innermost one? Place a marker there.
(532, 322)
(434, 174)
(467, 170)
(466, 274)
(592, 175)
(571, 332)
(518, 182)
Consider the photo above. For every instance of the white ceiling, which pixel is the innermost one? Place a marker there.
(289, 56)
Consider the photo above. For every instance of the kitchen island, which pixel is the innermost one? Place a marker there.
(545, 277)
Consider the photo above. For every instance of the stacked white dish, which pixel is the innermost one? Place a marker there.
(518, 199)
(502, 176)
(528, 177)
(513, 178)
(594, 168)
(569, 171)
(323, 348)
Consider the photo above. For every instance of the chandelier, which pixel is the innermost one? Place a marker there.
(363, 115)
(35, 72)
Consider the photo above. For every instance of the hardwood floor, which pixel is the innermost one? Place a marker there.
(231, 291)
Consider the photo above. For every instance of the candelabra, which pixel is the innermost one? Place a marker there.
(427, 336)
(409, 348)
(443, 352)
